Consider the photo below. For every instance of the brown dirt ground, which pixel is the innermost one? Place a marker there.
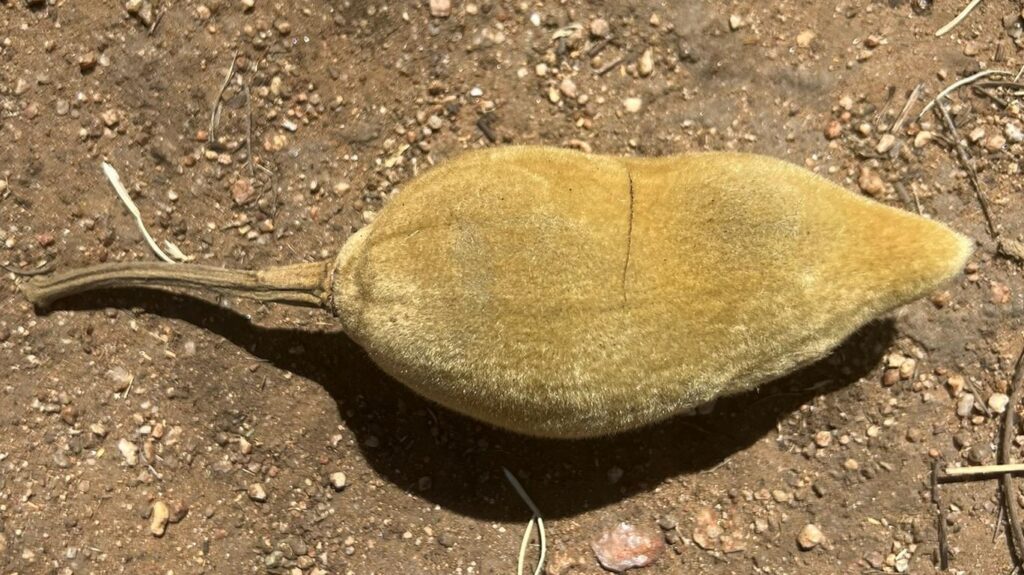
(349, 100)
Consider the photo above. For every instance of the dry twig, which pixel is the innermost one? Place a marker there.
(965, 160)
(959, 83)
(215, 115)
(1006, 480)
(979, 399)
(911, 100)
(941, 519)
(981, 90)
(609, 66)
(249, 160)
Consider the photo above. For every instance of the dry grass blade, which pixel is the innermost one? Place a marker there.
(911, 100)
(115, 180)
(959, 18)
(958, 84)
(529, 527)
(215, 115)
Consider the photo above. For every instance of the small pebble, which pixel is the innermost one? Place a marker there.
(129, 451)
(599, 28)
(804, 39)
(870, 182)
(736, 22)
(823, 439)
(922, 138)
(633, 105)
(444, 539)
(810, 537)
(625, 547)
(979, 454)
(1012, 249)
(890, 377)
(997, 402)
(876, 560)
(257, 493)
(87, 62)
(1014, 133)
(338, 480)
(965, 405)
(440, 8)
(885, 143)
(646, 64)
(160, 516)
(833, 130)
(956, 384)
(568, 88)
(995, 142)
(915, 435)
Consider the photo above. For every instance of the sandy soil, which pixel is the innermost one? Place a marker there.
(234, 417)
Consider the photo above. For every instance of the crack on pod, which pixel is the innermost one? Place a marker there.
(629, 235)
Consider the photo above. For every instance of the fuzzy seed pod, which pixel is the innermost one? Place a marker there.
(561, 294)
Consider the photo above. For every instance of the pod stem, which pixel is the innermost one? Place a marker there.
(300, 284)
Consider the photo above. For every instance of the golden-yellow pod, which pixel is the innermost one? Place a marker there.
(561, 294)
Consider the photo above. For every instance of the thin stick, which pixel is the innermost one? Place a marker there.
(959, 18)
(941, 519)
(991, 95)
(999, 523)
(978, 399)
(952, 87)
(115, 180)
(1006, 481)
(529, 528)
(901, 191)
(156, 22)
(128, 389)
(965, 159)
(484, 124)
(609, 66)
(917, 201)
(1014, 85)
(215, 115)
(911, 100)
(248, 133)
(982, 471)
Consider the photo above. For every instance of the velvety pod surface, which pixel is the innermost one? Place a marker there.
(561, 294)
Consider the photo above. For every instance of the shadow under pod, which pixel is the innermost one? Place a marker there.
(457, 462)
